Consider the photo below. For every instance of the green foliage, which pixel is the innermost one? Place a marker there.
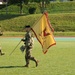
(15, 9)
(13, 34)
(68, 34)
(31, 6)
(2, 6)
(55, 7)
(13, 23)
(63, 22)
(63, 7)
(17, 1)
(19, 34)
(60, 22)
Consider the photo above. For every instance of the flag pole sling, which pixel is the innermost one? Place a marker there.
(15, 48)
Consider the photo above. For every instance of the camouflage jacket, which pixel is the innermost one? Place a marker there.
(28, 40)
(0, 48)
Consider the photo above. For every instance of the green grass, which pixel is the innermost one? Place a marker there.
(13, 34)
(19, 34)
(59, 60)
(60, 22)
(68, 34)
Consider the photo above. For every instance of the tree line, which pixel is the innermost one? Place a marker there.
(21, 2)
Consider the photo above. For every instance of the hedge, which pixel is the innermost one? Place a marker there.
(55, 7)
(60, 22)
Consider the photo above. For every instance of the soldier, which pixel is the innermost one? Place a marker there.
(1, 51)
(1, 33)
(28, 41)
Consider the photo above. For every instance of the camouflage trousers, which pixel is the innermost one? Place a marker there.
(0, 50)
(28, 56)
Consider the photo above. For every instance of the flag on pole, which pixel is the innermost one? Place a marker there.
(43, 32)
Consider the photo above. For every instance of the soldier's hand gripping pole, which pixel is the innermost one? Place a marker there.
(15, 48)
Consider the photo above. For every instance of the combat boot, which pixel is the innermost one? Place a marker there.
(26, 66)
(2, 53)
(37, 63)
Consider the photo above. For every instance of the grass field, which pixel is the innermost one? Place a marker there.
(20, 34)
(59, 60)
(60, 22)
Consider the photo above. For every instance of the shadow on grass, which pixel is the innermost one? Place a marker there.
(8, 16)
(11, 67)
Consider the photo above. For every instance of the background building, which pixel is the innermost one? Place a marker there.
(3, 1)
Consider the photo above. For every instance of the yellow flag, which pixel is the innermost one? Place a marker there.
(43, 32)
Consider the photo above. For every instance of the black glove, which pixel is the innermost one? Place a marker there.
(22, 40)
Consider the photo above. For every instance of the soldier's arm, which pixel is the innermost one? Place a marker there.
(23, 40)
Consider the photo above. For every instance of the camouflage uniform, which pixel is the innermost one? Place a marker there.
(0, 44)
(1, 51)
(28, 41)
(1, 33)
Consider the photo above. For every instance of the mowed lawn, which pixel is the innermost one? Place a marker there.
(59, 60)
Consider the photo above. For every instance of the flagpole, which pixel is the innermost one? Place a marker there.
(15, 48)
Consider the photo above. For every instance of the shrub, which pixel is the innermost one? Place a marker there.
(55, 7)
(60, 22)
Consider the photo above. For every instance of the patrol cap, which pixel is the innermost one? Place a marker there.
(27, 26)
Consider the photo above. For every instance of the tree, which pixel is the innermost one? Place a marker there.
(19, 2)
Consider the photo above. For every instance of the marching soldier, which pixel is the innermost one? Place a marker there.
(28, 41)
(1, 51)
(1, 33)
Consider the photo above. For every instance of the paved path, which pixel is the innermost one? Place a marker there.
(56, 38)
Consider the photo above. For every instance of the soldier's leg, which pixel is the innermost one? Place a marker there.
(27, 61)
(1, 52)
(27, 58)
(32, 58)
